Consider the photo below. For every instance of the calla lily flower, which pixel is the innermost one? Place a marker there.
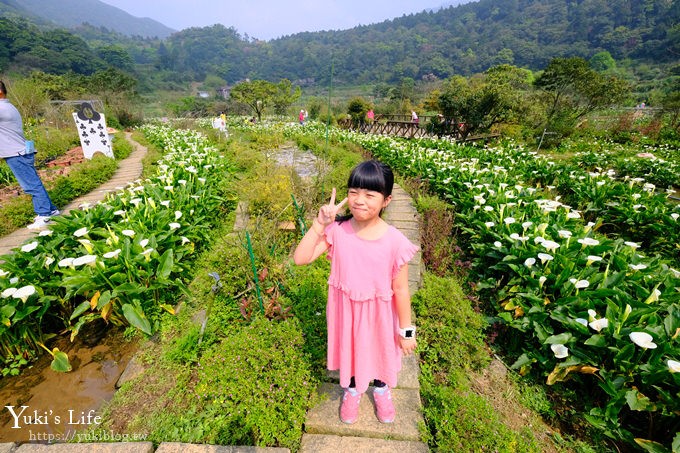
(24, 293)
(66, 262)
(8, 292)
(674, 366)
(564, 234)
(45, 233)
(85, 259)
(599, 324)
(489, 224)
(497, 244)
(509, 220)
(582, 321)
(174, 225)
(112, 254)
(143, 243)
(582, 284)
(592, 259)
(30, 246)
(185, 240)
(48, 260)
(178, 214)
(637, 267)
(653, 297)
(588, 241)
(550, 245)
(633, 245)
(128, 233)
(560, 350)
(80, 232)
(120, 212)
(165, 203)
(642, 339)
(541, 280)
(3, 273)
(544, 257)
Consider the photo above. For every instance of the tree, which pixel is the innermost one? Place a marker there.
(602, 62)
(257, 94)
(571, 90)
(473, 105)
(357, 108)
(285, 96)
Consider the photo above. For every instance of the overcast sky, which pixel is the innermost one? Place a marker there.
(268, 19)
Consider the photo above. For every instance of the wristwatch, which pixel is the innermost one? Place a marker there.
(408, 333)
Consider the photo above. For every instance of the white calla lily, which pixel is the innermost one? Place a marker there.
(24, 293)
(560, 350)
(674, 366)
(29, 247)
(643, 339)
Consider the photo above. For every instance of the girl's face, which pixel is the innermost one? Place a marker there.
(366, 204)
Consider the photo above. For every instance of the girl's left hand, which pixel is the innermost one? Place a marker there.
(408, 345)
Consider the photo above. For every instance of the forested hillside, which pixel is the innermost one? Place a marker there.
(73, 13)
(458, 40)
(464, 40)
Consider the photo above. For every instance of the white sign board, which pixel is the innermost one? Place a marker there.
(92, 131)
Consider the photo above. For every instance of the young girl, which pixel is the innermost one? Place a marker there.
(369, 306)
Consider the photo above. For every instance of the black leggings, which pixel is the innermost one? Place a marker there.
(376, 382)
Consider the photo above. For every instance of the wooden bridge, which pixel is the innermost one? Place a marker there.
(403, 126)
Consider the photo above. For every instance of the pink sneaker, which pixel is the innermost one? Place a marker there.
(349, 411)
(384, 407)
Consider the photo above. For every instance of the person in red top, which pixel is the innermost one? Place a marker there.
(369, 305)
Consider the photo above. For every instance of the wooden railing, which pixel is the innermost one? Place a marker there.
(403, 126)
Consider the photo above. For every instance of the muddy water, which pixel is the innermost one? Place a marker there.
(305, 163)
(56, 405)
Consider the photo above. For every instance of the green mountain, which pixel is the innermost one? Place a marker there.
(464, 39)
(73, 13)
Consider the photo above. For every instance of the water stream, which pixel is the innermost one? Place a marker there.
(45, 405)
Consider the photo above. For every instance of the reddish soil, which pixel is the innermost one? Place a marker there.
(57, 167)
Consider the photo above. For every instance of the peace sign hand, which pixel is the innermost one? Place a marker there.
(328, 212)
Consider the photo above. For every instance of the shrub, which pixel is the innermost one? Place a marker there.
(257, 386)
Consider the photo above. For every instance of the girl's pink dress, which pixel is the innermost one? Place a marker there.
(363, 336)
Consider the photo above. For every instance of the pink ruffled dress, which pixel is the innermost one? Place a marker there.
(363, 338)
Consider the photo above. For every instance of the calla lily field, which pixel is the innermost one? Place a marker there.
(577, 259)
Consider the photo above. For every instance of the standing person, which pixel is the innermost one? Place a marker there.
(301, 117)
(414, 116)
(20, 157)
(369, 305)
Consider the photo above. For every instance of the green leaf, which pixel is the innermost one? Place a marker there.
(651, 446)
(522, 361)
(80, 309)
(166, 264)
(639, 402)
(103, 299)
(596, 340)
(562, 338)
(60, 361)
(136, 318)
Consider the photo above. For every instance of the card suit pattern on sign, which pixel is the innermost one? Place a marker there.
(92, 131)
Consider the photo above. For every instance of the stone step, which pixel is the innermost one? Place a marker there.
(408, 376)
(325, 417)
(320, 443)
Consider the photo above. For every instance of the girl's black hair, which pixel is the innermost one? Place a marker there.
(370, 175)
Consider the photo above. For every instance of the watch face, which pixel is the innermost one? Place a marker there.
(408, 333)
